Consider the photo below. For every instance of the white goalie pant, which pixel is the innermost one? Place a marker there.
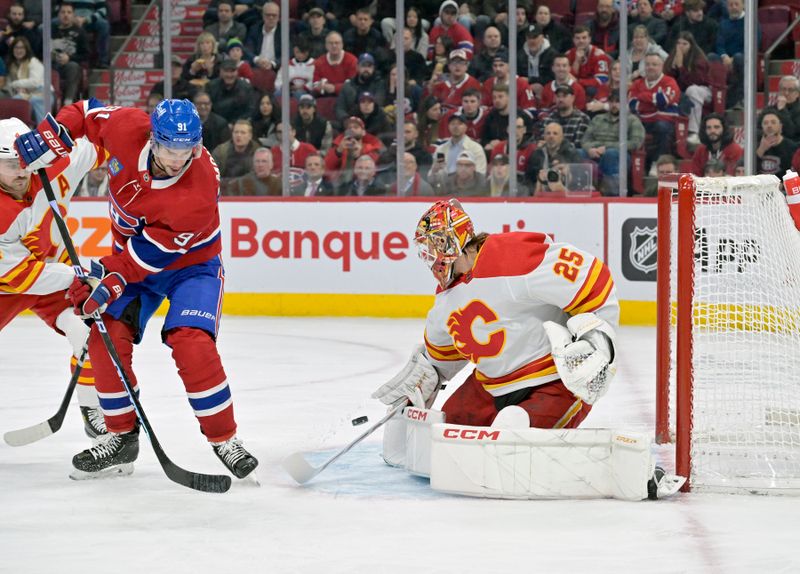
(540, 463)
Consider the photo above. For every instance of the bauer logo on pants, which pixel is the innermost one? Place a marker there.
(639, 253)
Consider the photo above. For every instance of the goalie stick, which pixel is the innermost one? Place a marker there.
(189, 479)
(28, 435)
(301, 471)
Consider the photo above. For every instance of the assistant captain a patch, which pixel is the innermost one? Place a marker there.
(114, 167)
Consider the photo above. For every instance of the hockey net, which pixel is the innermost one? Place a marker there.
(729, 334)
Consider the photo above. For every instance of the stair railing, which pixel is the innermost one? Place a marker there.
(768, 54)
(134, 33)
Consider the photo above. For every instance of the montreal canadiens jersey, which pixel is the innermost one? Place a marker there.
(32, 254)
(493, 315)
(156, 224)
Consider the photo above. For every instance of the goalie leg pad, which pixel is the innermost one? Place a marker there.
(418, 438)
(394, 441)
(540, 463)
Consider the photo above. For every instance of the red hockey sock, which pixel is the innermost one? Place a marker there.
(114, 400)
(200, 368)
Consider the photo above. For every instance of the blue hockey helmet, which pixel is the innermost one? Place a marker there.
(176, 124)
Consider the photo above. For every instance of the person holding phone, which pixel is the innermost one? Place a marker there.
(446, 155)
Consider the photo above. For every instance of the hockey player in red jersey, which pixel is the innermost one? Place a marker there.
(33, 275)
(536, 318)
(163, 193)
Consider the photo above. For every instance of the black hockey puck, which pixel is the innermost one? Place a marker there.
(359, 421)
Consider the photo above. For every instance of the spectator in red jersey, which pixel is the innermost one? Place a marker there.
(501, 74)
(589, 64)
(298, 153)
(346, 148)
(450, 90)
(334, 68)
(654, 98)
(688, 65)
(462, 39)
(472, 111)
(562, 77)
(668, 10)
(604, 28)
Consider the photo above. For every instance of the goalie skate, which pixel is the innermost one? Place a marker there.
(663, 485)
(94, 423)
(234, 456)
(113, 455)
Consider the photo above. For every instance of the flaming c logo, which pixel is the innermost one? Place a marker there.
(39, 241)
(459, 325)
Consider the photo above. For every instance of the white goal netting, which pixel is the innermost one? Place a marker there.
(745, 405)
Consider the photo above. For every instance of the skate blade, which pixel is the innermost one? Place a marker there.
(251, 479)
(119, 470)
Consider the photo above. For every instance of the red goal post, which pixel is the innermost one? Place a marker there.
(728, 334)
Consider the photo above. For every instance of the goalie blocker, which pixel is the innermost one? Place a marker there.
(525, 463)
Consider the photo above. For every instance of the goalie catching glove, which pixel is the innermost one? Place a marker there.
(583, 352)
(96, 291)
(419, 381)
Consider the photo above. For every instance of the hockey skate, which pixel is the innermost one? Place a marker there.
(113, 455)
(234, 456)
(662, 485)
(94, 423)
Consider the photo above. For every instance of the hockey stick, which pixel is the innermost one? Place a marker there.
(195, 480)
(301, 471)
(21, 437)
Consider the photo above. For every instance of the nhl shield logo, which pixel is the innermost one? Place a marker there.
(643, 249)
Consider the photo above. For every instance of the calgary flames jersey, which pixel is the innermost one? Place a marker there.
(31, 251)
(493, 315)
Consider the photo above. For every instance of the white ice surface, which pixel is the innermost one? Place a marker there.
(297, 383)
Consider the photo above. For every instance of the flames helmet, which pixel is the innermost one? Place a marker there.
(442, 233)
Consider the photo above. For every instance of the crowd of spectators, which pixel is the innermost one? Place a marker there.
(343, 83)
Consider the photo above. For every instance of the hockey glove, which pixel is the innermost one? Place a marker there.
(39, 148)
(96, 291)
(419, 381)
(660, 99)
(584, 355)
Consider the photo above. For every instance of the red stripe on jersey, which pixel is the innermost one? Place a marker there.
(539, 367)
(597, 294)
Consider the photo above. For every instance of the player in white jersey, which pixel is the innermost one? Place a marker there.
(33, 275)
(536, 318)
